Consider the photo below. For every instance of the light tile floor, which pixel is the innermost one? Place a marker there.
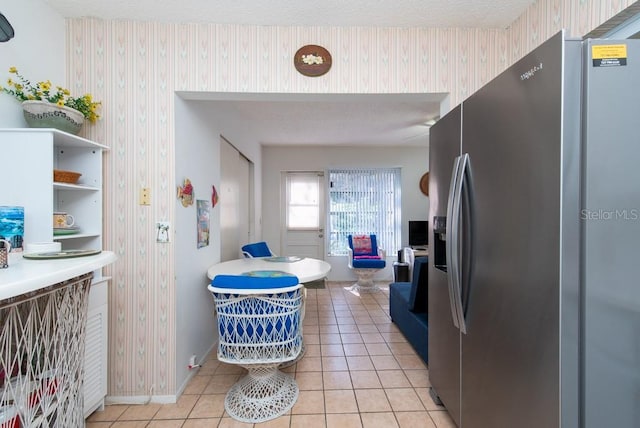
(358, 371)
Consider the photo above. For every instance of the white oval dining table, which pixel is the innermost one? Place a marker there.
(305, 268)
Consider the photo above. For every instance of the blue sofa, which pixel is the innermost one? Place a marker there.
(408, 307)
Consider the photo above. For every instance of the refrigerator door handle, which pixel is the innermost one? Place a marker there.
(468, 251)
(450, 245)
(456, 274)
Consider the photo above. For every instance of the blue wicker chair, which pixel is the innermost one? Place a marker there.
(260, 328)
(257, 249)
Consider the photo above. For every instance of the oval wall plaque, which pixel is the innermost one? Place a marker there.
(312, 60)
(424, 184)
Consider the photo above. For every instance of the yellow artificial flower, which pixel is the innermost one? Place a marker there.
(42, 91)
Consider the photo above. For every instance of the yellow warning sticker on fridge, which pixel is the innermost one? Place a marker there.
(609, 55)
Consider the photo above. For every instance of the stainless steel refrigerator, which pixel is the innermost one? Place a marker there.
(534, 273)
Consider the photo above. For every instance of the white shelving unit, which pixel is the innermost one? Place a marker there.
(30, 155)
(82, 200)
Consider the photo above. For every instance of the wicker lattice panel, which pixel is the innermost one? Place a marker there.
(42, 352)
(260, 329)
(260, 332)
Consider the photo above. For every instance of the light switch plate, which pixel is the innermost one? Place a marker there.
(145, 196)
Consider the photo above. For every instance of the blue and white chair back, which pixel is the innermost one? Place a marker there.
(260, 327)
(259, 319)
(256, 249)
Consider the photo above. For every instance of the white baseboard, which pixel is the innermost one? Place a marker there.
(158, 399)
(142, 399)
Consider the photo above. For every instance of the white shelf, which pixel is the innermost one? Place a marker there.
(67, 186)
(62, 139)
(44, 150)
(76, 236)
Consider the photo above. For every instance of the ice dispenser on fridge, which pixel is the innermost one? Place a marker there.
(439, 242)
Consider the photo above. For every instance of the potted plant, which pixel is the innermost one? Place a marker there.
(48, 106)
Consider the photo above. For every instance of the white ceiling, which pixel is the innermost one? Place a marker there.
(367, 13)
(332, 119)
(312, 118)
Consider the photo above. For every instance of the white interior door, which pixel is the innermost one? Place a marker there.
(235, 203)
(303, 222)
(245, 172)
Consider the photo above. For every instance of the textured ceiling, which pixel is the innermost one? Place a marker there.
(368, 13)
(329, 119)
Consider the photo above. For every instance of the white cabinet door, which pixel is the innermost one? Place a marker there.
(95, 352)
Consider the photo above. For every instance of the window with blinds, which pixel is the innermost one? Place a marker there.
(364, 201)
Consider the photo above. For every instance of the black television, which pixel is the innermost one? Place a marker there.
(418, 233)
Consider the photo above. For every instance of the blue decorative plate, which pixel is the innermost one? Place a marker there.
(283, 259)
(266, 273)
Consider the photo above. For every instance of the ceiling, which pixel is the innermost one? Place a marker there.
(332, 119)
(367, 13)
(302, 119)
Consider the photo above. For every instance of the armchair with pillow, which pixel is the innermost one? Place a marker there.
(365, 260)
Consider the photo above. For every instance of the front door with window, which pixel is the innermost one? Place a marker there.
(303, 225)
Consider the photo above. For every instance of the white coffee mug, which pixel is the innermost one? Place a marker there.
(62, 220)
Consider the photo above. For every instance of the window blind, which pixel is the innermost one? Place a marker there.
(364, 201)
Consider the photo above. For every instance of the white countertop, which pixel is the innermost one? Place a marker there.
(306, 269)
(24, 275)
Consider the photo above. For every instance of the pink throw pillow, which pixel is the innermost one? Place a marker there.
(361, 244)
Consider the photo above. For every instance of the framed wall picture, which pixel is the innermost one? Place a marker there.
(203, 222)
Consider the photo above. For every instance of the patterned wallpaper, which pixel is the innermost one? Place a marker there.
(135, 67)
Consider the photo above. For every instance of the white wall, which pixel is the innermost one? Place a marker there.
(414, 161)
(243, 137)
(38, 50)
(199, 126)
(195, 332)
